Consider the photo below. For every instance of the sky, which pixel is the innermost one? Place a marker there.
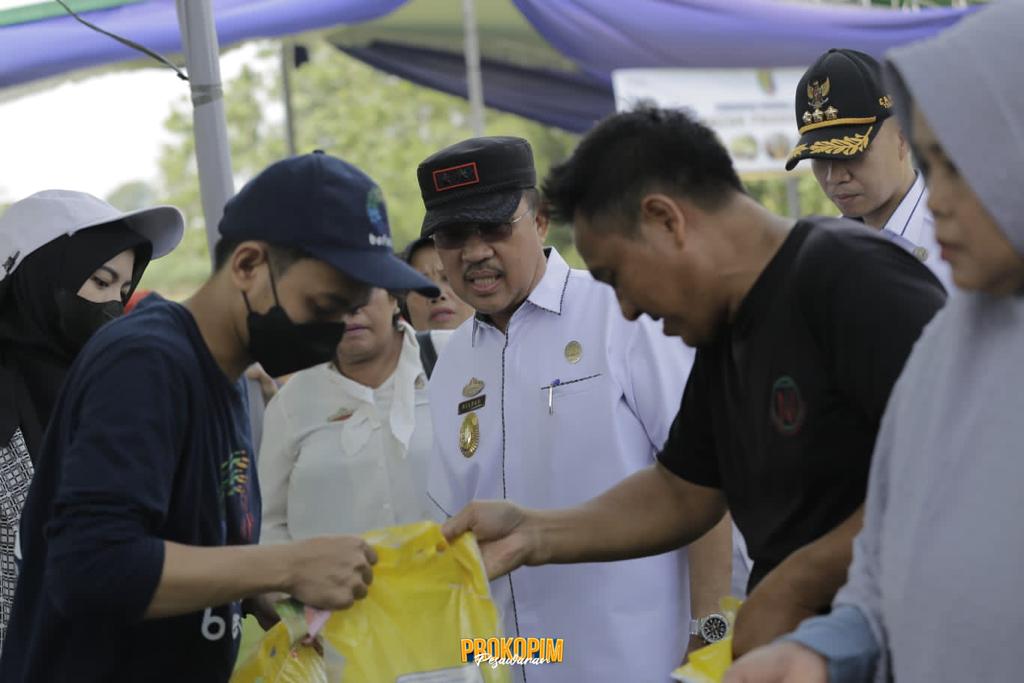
(92, 135)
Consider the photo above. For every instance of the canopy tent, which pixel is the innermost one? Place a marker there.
(602, 35)
(556, 98)
(561, 86)
(551, 60)
(59, 44)
(36, 47)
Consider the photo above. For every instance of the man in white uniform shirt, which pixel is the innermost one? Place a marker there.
(546, 397)
(860, 156)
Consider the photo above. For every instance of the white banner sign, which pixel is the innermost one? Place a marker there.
(751, 110)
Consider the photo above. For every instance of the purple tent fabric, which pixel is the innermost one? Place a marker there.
(598, 35)
(53, 46)
(571, 101)
(602, 35)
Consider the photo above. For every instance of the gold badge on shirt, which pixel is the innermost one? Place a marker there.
(473, 387)
(573, 352)
(469, 435)
(921, 253)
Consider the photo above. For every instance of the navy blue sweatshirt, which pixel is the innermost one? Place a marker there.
(149, 442)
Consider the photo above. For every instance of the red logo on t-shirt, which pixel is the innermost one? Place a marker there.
(787, 406)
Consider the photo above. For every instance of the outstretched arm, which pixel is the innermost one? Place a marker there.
(650, 512)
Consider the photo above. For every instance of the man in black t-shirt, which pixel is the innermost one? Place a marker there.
(138, 533)
(801, 331)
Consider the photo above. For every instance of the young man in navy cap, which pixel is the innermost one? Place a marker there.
(138, 532)
(860, 156)
(547, 397)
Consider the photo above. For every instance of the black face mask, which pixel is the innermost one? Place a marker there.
(283, 347)
(80, 318)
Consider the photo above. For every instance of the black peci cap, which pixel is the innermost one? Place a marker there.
(476, 180)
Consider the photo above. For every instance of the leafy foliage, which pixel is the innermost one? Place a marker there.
(381, 123)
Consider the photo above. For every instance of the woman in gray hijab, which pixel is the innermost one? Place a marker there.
(934, 591)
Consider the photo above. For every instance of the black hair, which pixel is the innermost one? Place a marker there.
(281, 257)
(410, 250)
(630, 154)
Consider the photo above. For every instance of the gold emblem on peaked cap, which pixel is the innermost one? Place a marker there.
(573, 351)
(817, 93)
(473, 387)
(469, 435)
(817, 97)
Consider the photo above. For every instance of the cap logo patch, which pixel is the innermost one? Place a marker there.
(456, 176)
(377, 216)
(817, 93)
(885, 101)
(817, 97)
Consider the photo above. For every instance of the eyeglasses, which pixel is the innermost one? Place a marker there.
(456, 235)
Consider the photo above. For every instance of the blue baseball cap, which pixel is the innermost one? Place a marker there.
(329, 209)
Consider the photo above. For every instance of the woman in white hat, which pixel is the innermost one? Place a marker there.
(68, 263)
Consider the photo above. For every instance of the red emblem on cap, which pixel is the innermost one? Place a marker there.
(456, 176)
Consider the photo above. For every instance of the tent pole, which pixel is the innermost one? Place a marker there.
(213, 153)
(287, 55)
(474, 79)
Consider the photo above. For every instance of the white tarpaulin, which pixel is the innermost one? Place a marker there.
(751, 110)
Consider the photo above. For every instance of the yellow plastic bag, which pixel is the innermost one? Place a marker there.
(282, 656)
(709, 664)
(425, 598)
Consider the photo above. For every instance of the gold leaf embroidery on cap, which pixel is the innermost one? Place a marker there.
(847, 145)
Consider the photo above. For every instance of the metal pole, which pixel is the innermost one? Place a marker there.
(474, 79)
(287, 53)
(213, 153)
(793, 196)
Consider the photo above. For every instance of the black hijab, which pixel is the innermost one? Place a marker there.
(36, 349)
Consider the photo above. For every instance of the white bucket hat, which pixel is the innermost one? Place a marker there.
(44, 216)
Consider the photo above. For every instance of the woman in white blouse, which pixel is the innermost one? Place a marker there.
(345, 444)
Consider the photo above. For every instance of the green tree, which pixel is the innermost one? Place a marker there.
(133, 195)
(773, 194)
(381, 123)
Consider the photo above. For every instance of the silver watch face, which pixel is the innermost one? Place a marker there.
(713, 628)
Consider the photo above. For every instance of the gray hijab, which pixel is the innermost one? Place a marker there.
(937, 568)
(968, 82)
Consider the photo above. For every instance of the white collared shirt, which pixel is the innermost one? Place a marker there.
(341, 458)
(914, 226)
(610, 412)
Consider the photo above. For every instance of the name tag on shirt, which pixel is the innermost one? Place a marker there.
(472, 404)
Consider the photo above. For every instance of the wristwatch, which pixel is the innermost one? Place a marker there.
(711, 628)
